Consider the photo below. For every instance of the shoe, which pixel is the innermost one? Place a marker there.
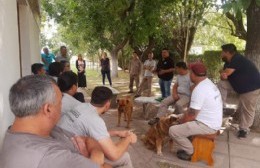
(137, 96)
(153, 121)
(159, 99)
(130, 91)
(242, 134)
(184, 156)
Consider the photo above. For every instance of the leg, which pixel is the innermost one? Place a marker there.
(131, 83)
(180, 134)
(247, 109)
(159, 146)
(119, 118)
(137, 81)
(109, 78)
(163, 109)
(161, 83)
(140, 89)
(103, 77)
(224, 88)
(124, 161)
(167, 87)
(149, 85)
(181, 104)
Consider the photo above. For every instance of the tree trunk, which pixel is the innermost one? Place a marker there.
(114, 62)
(253, 45)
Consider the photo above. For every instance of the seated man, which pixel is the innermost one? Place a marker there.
(33, 141)
(38, 69)
(55, 70)
(181, 91)
(68, 83)
(204, 115)
(84, 119)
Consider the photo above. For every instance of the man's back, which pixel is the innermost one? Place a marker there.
(32, 151)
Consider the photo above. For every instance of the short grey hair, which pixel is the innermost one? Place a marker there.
(30, 93)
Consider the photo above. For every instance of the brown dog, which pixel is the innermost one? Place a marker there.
(125, 105)
(158, 133)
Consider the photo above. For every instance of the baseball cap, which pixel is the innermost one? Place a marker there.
(199, 69)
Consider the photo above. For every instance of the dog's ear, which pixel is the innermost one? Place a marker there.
(173, 118)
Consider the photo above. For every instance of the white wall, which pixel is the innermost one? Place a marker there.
(9, 59)
(9, 52)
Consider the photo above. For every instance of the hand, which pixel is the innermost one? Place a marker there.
(175, 97)
(123, 134)
(223, 76)
(133, 138)
(80, 143)
(161, 72)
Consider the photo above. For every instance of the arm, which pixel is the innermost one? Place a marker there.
(174, 91)
(189, 115)
(226, 72)
(114, 151)
(166, 71)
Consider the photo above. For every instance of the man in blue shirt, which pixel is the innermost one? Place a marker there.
(47, 58)
(242, 76)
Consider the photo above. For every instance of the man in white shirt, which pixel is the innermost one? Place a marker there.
(204, 115)
(149, 66)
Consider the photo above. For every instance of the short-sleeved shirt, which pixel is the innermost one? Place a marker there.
(82, 119)
(135, 66)
(165, 64)
(246, 76)
(48, 58)
(184, 84)
(31, 151)
(60, 58)
(207, 99)
(150, 63)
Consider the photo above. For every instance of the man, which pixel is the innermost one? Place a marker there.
(242, 76)
(33, 141)
(149, 66)
(84, 119)
(134, 72)
(165, 69)
(204, 115)
(63, 55)
(47, 58)
(181, 92)
(55, 70)
(38, 69)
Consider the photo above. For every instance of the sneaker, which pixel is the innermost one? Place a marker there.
(130, 91)
(184, 156)
(242, 134)
(159, 99)
(153, 121)
(137, 96)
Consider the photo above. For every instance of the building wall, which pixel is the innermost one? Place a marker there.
(11, 68)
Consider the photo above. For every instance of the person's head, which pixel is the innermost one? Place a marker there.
(135, 55)
(165, 52)
(228, 50)
(181, 68)
(80, 57)
(68, 82)
(36, 96)
(150, 55)
(38, 69)
(198, 72)
(104, 55)
(46, 50)
(66, 65)
(101, 97)
(55, 69)
(63, 50)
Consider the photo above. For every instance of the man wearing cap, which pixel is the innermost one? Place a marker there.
(204, 115)
(242, 76)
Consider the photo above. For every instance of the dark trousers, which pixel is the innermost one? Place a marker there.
(104, 73)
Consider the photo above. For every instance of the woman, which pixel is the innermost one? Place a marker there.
(81, 65)
(105, 68)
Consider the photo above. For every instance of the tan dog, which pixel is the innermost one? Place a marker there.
(158, 133)
(125, 105)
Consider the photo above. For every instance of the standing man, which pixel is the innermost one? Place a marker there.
(242, 76)
(47, 58)
(204, 115)
(63, 55)
(149, 66)
(84, 119)
(165, 69)
(134, 72)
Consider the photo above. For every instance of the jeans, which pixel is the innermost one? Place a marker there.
(165, 87)
(104, 73)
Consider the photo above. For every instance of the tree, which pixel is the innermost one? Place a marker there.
(251, 8)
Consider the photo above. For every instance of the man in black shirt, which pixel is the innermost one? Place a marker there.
(242, 76)
(165, 69)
